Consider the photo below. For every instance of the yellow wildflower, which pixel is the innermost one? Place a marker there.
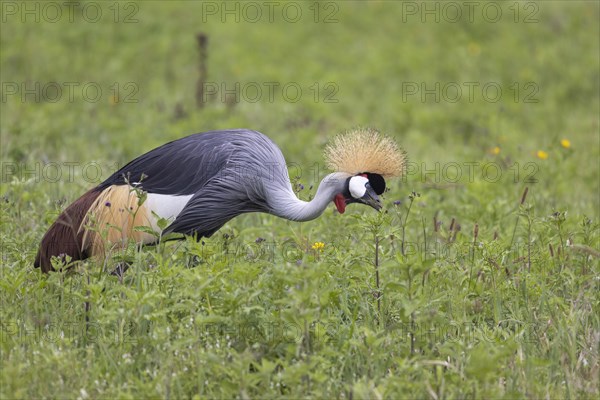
(495, 151)
(541, 154)
(318, 246)
(566, 143)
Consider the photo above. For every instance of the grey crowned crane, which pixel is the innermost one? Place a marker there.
(200, 182)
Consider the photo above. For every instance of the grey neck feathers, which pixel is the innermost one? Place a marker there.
(284, 203)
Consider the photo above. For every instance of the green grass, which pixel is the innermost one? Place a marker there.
(509, 312)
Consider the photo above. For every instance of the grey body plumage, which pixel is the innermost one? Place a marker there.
(253, 178)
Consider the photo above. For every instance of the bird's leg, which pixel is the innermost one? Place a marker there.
(170, 239)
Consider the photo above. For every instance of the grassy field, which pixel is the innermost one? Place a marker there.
(480, 279)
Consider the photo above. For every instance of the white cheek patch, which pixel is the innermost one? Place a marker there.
(357, 186)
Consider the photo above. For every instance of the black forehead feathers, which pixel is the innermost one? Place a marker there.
(376, 181)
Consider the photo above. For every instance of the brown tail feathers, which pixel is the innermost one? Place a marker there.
(116, 212)
(65, 236)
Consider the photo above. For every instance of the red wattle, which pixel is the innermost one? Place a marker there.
(340, 203)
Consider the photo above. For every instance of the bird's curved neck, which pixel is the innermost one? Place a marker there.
(285, 204)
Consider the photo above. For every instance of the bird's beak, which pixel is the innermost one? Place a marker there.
(370, 198)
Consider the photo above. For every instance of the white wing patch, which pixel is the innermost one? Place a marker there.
(166, 206)
(357, 186)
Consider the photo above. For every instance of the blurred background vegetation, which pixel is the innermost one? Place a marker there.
(372, 53)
